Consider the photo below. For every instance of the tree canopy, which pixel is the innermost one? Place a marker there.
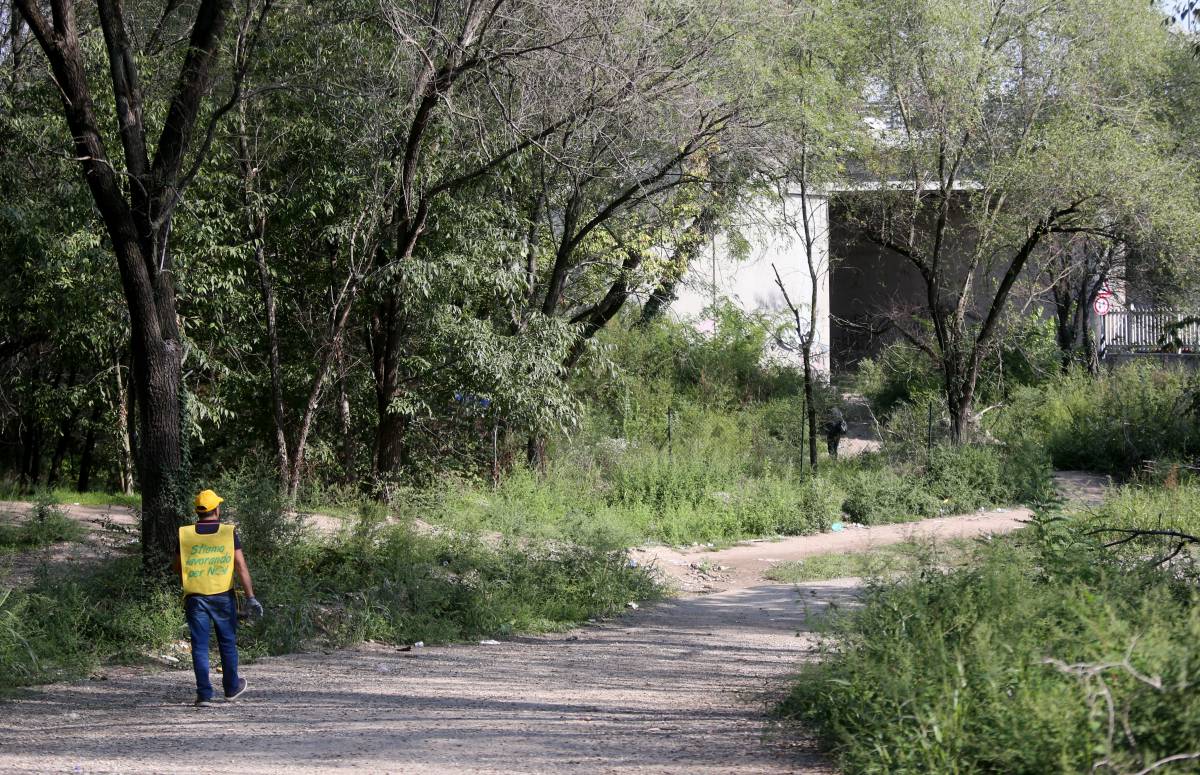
(366, 243)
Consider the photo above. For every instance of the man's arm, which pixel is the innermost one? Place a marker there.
(243, 572)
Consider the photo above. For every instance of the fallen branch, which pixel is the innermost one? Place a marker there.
(1132, 534)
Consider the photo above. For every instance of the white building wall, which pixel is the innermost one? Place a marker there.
(774, 229)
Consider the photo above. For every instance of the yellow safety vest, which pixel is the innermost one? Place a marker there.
(206, 561)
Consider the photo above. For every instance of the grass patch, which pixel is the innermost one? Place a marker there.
(373, 581)
(98, 499)
(45, 524)
(1159, 508)
(1008, 664)
(620, 496)
(645, 496)
(879, 562)
(9, 491)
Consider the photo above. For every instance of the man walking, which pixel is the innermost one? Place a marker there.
(209, 553)
(835, 429)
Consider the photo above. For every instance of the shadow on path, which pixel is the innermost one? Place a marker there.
(683, 686)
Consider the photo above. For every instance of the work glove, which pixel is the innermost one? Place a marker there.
(254, 608)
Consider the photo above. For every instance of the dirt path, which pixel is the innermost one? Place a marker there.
(110, 529)
(680, 687)
(746, 564)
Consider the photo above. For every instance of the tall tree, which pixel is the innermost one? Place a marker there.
(999, 124)
(818, 101)
(460, 70)
(137, 191)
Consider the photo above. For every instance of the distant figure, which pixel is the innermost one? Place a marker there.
(835, 429)
(209, 553)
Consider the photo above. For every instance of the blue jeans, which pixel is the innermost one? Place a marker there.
(205, 613)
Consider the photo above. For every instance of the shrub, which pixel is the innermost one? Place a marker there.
(64, 626)
(254, 502)
(875, 497)
(46, 524)
(898, 374)
(1028, 471)
(377, 581)
(1112, 424)
(946, 480)
(1002, 668)
(901, 374)
(1158, 508)
(967, 477)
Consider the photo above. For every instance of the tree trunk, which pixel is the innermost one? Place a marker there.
(30, 435)
(282, 458)
(958, 420)
(535, 452)
(1091, 358)
(960, 399)
(124, 403)
(390, 456)
(256, 227)
(702, 229)
(345, 427)
(87, 454)
(165, 483)
(810, 408)
(660, 299)
(300, 444)
(1064, 328)
(62, 446)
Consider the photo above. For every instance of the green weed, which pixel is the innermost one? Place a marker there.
(376, 580)
(1112, 424)
(45, 524)
(1009, 664)
(883, 561)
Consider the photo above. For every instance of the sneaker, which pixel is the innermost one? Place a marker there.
(203, 702)
(241, 689)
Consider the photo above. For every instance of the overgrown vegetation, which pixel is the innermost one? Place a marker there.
(45, 524)
(884, 561)
(901, 375)
(1067, 647)
(699, 442)
(1120, 421)
(374, 580)
(1115, 423)
(1045, 652)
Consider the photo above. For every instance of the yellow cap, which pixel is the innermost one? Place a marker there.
(207, 501)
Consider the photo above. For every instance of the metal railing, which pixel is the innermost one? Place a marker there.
(1148, 331)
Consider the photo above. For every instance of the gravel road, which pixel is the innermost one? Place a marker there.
(682, 687)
